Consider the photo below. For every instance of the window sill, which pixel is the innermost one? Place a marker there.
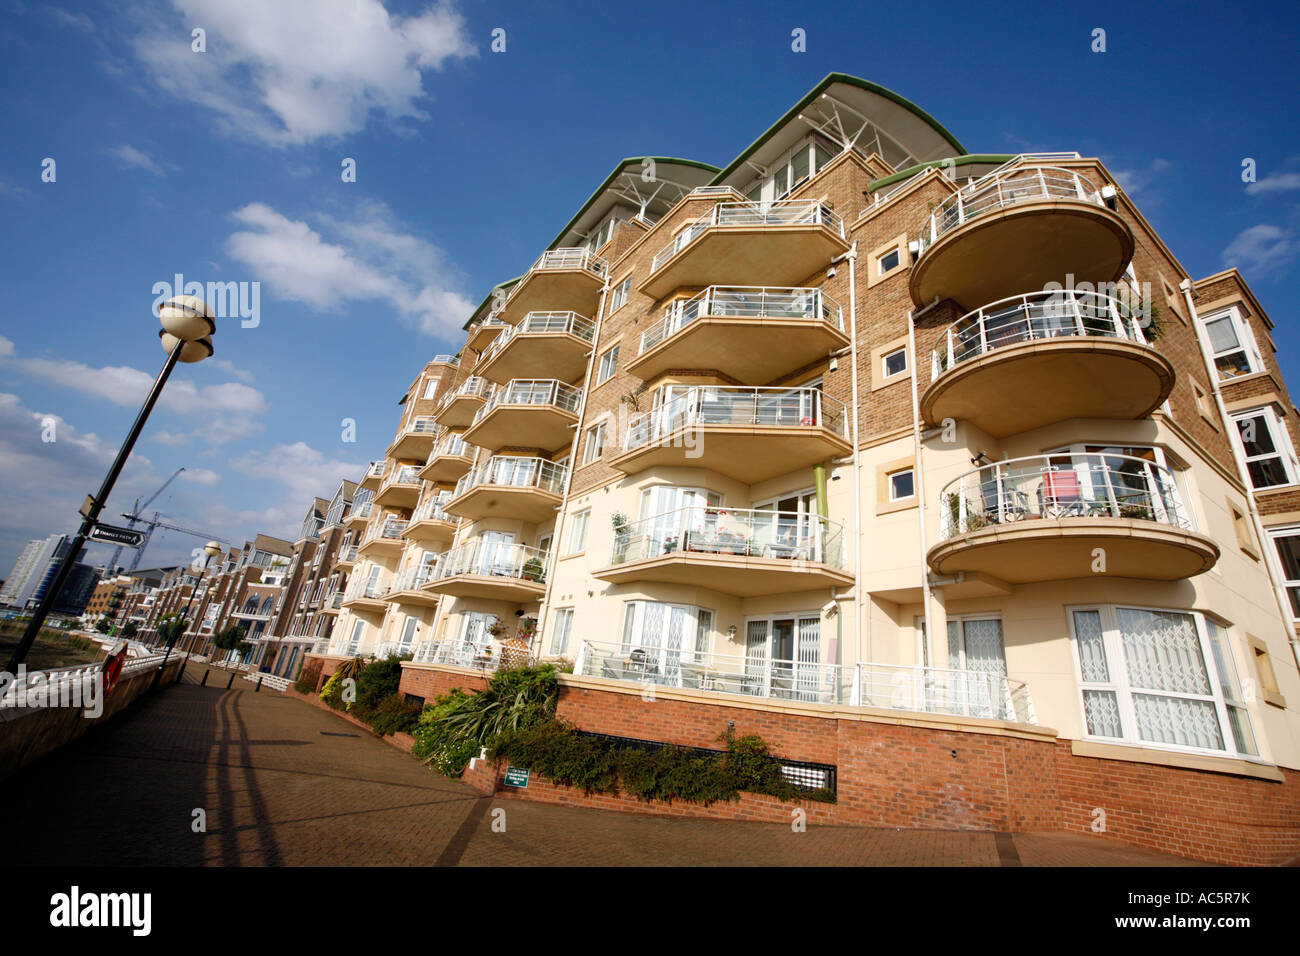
(1135, 753)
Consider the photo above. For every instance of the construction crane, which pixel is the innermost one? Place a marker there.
(117, 552)
(156, 522)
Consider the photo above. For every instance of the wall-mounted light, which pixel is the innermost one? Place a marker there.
(731, 631)
(979, 459)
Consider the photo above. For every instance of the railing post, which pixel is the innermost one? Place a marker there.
(855, 692)
(580, 661)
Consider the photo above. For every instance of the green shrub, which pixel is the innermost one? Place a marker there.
(375, 682)
(332, 692)
(307, 678)
(393, 715)
(436, 742)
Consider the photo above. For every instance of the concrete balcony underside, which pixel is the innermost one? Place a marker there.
(1017, 388)
(380, 545)
(1001, 253)
(481, 336)
(489, 587)
(370, 481)
(737, 575)
(747, 453)
(558, 355)
(762, 255)
(505, 501)
(344, 564)
(523, 426)
(366, 605)
(459, 411)
(414, 597)
(1059, 549)
(430, 529)
(753, 351)
(553, 290)
(410, 446)
(446, 468)
(398, 495)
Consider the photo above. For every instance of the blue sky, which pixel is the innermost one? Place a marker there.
(225, 166)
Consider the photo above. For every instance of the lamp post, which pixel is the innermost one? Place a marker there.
(187, 327)
(210, 551)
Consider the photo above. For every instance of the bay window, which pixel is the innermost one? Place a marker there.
(1232, 344)
(662, 636)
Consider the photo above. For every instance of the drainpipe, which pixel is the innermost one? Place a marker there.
(573, 462)
(862, 625)
(1239, 457)
(921, 499)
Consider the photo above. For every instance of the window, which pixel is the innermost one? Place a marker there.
(783, 655)
(430, 387)
(792, 170)
(563, 625)
(664, 636)
(902, 485)
(407, 640)
(618, 298)
(1264, 670)
(1232, 344)
(1161, 678)
(354, 644)
(1270, 459)
(888, 262)
(894, 363)
(595, 444)
(578, 532)
(603, 234)
(608, 364)
(1287, 544)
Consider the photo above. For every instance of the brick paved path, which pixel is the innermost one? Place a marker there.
(283, 783)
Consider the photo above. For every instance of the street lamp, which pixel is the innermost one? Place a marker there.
(187, 327)
(210, 551)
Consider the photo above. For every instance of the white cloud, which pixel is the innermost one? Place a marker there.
(305, 473)
(365, 259)
(1261, 250)
(230, 368)
(131, 158)
(1275, 183)
(78, 21)
(6, 347)
(1135, 181)
(294, 71)
(201, 476)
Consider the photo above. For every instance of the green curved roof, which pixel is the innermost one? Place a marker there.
(816, 91)
(902, 174)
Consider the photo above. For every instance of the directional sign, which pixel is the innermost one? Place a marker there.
(516, 777)
(112, 534)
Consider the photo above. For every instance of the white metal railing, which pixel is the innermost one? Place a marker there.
(742, 215)
(346, 554)
(745, 302)
(334, 601)
(807, 681)
(936, 690)
(403, 475)
(1007, 187)
(533, 391)
(1062, 486)
(702, 529)
(570, 257)
(376, 469)
(453, 446)
(363, 587)
(492, 322)
(515, 472)
(444, 358)
(1033, 317)
(695, 405)
(494, 559)
(458, 653)
(537, 323)
(473, 387)
(424, 425)
(362, 510)
(412, 579)
(268, 680)
(390, 528)
(431, 509)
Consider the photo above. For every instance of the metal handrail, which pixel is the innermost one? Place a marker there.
(421, 426)
(533, 391)
(1031, 317)
(696, 405)
(542, 322)
(412, 579)
(403, 475)
(515, 472)
(1004, 188)
(713, 529)
(391, 527)
(740, 215)
(745, 302)
(451, 446)
(473, 387)
(431, 509)
(938, 690)
(1062, 486)
(494, 559)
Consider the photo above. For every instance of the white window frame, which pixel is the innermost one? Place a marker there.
(577, 537)
(889, 478)
(430, 387)
(1118, 681)
(1281, 441)
(897, 253)
(1291, 585)
(885, 373)
(562, 626)
(1246, 343)
(608, 365)
(595, 443)
(618, 297)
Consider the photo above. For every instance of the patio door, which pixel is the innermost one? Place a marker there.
(407, 640)
(354, 643)
(656, 637)
(495, 553)
(976, 653)
(783, 656)
(372, 582)
(669, 514)
(792, 532)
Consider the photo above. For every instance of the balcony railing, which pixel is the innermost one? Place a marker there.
(692, 406)
(365, 588)
(1002, 189)
(412, 579)
(458, 653)
(540, 322)
(1062, 486)
(444, 358)
(747, 215)
(390, 528)
(431, 509)
(453, 446)
(693, 669)
(472, 387)
(335, 600)
(702, 529)
(533, 391)
(348, 554)
(362, 510)
(1034, 317)
(572, 257)
(494, 559)
(376, 469)
(936, 690)
(745, 302)
(516, 473)
(421, 426)
(404, 475)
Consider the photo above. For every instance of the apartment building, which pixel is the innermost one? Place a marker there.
(865, 424)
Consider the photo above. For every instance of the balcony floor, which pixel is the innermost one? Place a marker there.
(557, 355)
(750, 350)
(747, 453)
(737, 575)
(489, 588)
(531, 505)
(460, 411)
(430, 530)
(414, 597)
(411, 446)
(778, 255)
(398, 496)
(553, 290)
(523, 426)
(446, 468)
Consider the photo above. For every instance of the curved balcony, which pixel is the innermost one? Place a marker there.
(407, 587)
(749, 434)
(374, 475)
(738, 552)
(480, 336)
(528, 489)
(527, 413)
(400, 487)
(431, 523)
(554, 344)
(457, 409)
(1043, 519)
(449, 459)
(753, 334)
(493, 571)
(739, 243)
(1045, 357)
(1021, 228)
(415, 440)
(567, 279)
(383, 537)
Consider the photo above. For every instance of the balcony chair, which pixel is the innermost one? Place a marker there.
(1059, 496)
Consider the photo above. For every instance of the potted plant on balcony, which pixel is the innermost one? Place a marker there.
(619, 521)
(532, 570)
(670, 543)
(495, 628)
